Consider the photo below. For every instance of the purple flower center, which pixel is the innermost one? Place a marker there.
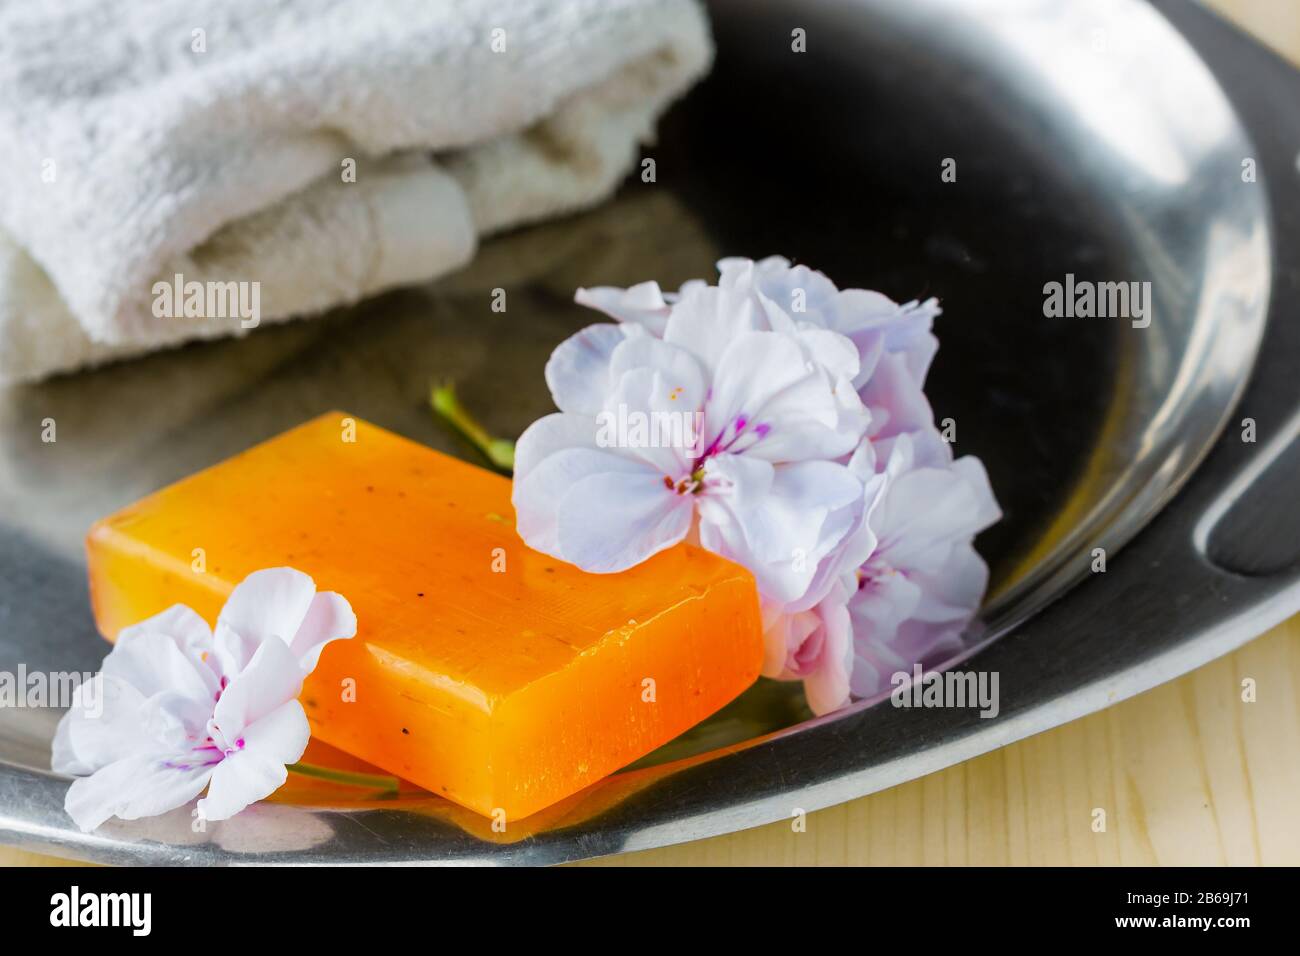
(739, 428)
(725, 443)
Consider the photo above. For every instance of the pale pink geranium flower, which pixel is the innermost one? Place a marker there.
(643, 304)
(811, 638)
(903, 581)
(814, 646)
(906, 585)
(924, 581)
(895, 342)
(771, 413)
(786, 294)
(179, 708)
(876, 324)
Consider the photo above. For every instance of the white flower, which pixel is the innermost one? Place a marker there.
(875, 323)
(811, 638)
(643, 304)
(180, 708)
(892, 577)
(904, 586)
(815, 646)
(782, 293)
(924, 581)
(772, 409)
(895, 343)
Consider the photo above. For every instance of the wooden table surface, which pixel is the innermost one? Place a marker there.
(1187, 773)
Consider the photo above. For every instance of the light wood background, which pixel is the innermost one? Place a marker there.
(1275, 22)
(1187, 773)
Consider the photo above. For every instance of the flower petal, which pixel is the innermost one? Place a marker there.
(831, 351)
(786, 399)
(329, 618)
(110, 720)
(181, 623)
(783, 631)
(233, 650)
(907, 333)
(63, 754)
(778, 521)
(271, 678)
(878, 325)
(258, 769)
(104, 724)
(643, 304)
(577, 372)
(550, 434)
(804, 294)
(875, 323)
(616, 519)
(134, 787)
(926, 510)
(267, 604)
(707, 320)
(987, 512)
(155, 662)
(855, 547)
(679, 368)
(826, 678)
(874, 664)
(953, 594)
(815, 646)
(895, 400)
(882, 604)
(537, 495)
(653, 414)
(925, 583)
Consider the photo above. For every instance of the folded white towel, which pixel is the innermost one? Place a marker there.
(215, 141)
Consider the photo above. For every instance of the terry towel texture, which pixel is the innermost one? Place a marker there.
(214, 140)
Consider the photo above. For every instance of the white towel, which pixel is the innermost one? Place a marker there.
(154, 138)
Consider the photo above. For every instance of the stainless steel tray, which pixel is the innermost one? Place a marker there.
(1090, 138)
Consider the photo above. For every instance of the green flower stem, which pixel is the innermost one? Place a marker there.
(499, 451)
(370, 781)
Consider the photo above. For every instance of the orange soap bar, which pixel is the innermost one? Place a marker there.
(481, 670)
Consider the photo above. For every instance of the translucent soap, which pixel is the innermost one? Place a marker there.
(496, 676)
